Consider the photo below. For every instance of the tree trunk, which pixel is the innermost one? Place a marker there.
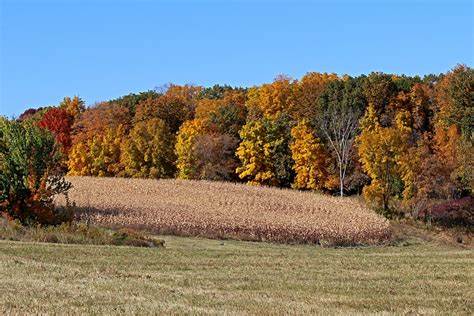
(341, 181)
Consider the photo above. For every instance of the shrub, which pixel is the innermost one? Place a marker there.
(75, 233)
(30, 173)
(453, 212)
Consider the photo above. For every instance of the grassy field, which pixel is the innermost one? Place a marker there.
(193, 275)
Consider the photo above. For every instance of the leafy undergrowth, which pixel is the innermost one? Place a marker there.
(458, 212)
(75, 233)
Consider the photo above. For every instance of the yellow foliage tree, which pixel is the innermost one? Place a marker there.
(380, 151)
(79, 163)
(99, 156)
(185, 143)
(310, 158)
(408, 158)
(264, 152)
(272, 99)
(206, 106)
(148, 151)
(105, 152)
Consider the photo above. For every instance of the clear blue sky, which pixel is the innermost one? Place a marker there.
(104, 49)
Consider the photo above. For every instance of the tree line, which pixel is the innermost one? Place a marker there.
(404, 142)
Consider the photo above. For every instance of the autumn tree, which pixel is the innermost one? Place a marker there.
(105, 151)
(438, 168)
(80, 160)
(339, 126)
(162, 114)
(264, 152)
(30, 173)
(74, 106)
(380, 149)
(415, 100)
(310, 158)
(204, 148)
(306, 94)
(148, 151)
(97, 137)
(442, 163)
(99, 155)
(176, 105)
(454, 126)
(96, 120)
(206, 145)
(271, 99)
(215, 156)
(185, 144)
(59, 122)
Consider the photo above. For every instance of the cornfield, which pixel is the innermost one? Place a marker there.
(225, 210)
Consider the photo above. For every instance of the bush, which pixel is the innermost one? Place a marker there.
(30, 173)
(75, 233)
(453, 212)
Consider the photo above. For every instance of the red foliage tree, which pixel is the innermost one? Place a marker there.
(59, 122)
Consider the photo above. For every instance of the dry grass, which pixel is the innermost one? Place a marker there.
(225, 210)
(193, 276)
(75, 233)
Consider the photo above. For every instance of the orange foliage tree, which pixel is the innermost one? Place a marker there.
(175, 106)
(206, 145)
(74, 106)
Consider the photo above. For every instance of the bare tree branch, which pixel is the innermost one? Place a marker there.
(339, 125)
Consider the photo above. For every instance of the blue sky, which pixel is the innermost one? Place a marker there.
(104, 49)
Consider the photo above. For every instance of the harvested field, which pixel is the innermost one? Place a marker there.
(225, 210)
(195, 276)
